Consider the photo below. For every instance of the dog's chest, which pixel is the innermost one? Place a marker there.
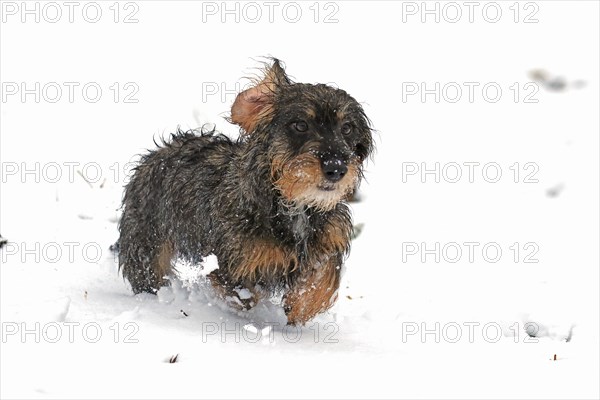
(301, 228)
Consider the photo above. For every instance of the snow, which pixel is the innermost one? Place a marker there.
(405, 325)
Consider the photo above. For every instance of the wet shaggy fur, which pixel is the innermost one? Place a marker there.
(270, 205)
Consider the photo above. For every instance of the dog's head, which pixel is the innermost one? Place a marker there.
(318, 137)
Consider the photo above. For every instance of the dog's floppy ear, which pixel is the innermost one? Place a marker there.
(256, 103)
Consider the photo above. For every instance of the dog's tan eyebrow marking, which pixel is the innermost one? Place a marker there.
(310, 112)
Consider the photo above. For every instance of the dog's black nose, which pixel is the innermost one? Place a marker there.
(334, 169)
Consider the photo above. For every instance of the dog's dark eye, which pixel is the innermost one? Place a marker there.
(346, 128)
(300, 126)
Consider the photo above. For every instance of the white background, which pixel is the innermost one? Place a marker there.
(175, 53)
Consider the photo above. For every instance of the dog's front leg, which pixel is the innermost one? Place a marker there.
(314, 291)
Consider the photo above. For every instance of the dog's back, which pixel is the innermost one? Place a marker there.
(170, 195)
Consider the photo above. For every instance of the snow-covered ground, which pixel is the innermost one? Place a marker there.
(405, 325)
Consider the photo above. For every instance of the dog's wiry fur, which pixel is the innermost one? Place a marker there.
(270, 205)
